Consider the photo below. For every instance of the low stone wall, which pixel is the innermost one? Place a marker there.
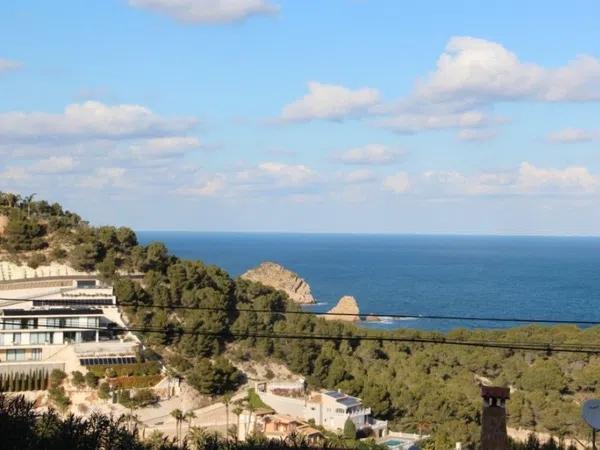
(32, 284)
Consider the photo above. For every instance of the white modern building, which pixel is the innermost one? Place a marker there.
(329, 409)
(67, 328)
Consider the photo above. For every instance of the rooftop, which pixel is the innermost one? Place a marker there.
(50, 312)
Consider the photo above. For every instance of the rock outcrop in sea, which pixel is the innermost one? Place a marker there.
(278, 277)
(346, 305)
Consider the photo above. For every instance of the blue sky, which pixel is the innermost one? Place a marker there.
(306, 116)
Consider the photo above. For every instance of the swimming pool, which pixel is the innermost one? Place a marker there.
(398, 443)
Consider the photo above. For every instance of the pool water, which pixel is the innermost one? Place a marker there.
(398, 444)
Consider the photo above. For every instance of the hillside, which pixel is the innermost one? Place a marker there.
(191, 313)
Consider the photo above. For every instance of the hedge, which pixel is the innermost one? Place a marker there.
(130, 382)
(121, 370)
(35, 380)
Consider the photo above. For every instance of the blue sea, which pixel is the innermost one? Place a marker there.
(482, 276)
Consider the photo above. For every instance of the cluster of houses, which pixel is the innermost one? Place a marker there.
(74, 324)
(298, 412)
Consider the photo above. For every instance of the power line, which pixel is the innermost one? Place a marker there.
(402, 316)
(544, 347)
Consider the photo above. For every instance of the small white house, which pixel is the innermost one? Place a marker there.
(329, 409)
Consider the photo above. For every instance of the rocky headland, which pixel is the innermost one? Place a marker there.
(278, 277)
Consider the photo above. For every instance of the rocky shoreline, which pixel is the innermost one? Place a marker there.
(278, 277)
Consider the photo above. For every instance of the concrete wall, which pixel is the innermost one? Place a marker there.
(283, 405)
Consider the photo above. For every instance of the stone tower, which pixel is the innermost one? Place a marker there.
(493, 418)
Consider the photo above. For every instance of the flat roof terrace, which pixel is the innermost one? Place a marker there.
(50, 312)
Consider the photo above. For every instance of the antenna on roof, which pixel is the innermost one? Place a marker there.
(591, 414)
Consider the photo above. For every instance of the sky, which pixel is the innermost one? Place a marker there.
(361, 116)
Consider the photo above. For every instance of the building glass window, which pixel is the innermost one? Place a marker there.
(15, 355)
(53, 322)
(1, 338)
(28, 324)
(71, 322)
(93, 321)
(16, 338)
(12, 324)
(41, 338)
(36, 354)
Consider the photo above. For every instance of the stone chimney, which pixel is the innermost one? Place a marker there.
(493, 418)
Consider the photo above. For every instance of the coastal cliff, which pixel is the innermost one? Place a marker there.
(278, 277)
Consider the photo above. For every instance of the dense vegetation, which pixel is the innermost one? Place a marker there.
(21, 427)
(418, 387)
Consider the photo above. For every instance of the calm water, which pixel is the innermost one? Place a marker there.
(530, 277)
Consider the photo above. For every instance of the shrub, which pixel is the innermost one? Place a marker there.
(141, 398)
(36, 260)
(56, 377)
(77, 379)
(104, 391)
(135, 381)
(58, 254)
(138, 369)
(59, 398)
(91, 379)
(349, 429)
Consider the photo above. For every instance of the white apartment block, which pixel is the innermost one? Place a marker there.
(67, 328)
(329, 409)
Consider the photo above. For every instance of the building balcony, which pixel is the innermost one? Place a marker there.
(360, 412)
(102, 348)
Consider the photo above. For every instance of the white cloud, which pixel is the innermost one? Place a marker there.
(358, 176)
(273, 174)
(106, 177)
(7, 65)
(527, 179)
(209, 188)
(476, 135)
(570, 135)
(207, 11)
(329, 101)
(398, 183)
(264, 178)
(422, 121)
(165, 147)
(481, 71)
(472, 75)
(372, 154)
(14, 174)
(89, 121)
(570, 179)
(54, 165)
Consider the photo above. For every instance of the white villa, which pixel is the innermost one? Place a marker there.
(45, 327)
(329, 409)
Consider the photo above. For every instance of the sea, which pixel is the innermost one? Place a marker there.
(462, 277)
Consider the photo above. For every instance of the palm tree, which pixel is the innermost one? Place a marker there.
(178, 415)
(250, 408)
(188, 417)
(227, 401)
(131, 419)
(238, 410)
(28, 200)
